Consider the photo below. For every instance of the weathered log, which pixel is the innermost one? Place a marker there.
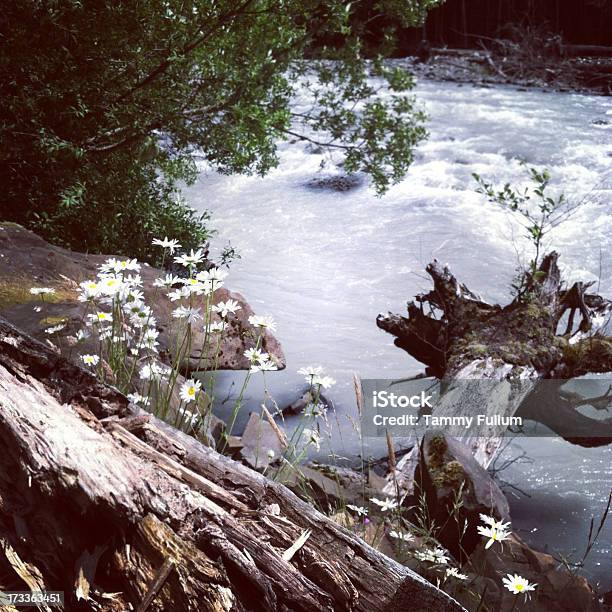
(464, 340)
(121, 511)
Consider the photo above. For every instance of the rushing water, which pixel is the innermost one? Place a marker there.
(325, 263)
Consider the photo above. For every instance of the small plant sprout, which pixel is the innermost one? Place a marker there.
(517, 584)
(90, 360)
(537, 211)
(384, 505)
(190, 390)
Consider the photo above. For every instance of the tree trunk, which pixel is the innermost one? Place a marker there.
(463, 340)
(118, 509)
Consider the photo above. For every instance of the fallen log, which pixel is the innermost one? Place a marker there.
(463, 340)
(121, 511)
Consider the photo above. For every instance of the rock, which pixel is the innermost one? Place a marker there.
(557, 589)
(331, 486)
(306, 482)
(308, 397)
(28, 261)
(446, 469)
(341, 182)
(261, 445)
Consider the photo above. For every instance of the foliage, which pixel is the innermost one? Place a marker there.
(538, 212)
(106, 102)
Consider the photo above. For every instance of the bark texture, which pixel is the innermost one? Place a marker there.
(119, 509)
(549, 332)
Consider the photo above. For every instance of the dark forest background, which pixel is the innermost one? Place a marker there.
(460, 23)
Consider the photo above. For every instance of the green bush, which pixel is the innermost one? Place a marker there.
(105, 102)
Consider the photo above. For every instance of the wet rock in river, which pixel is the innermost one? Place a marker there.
(341, 182)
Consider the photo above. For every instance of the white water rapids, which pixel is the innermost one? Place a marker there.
(324, 263)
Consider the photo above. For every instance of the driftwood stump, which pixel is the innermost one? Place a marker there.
(550, 332)
(123, 512)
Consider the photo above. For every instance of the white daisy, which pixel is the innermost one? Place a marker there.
(110, 285)
(190, 389)
(384, 505)
(517, 584)
(136, 398)
(263, 322)
(190, 417)
(41, 291)
(359, 510)
(125, 265)
(324, 381)
(494, 535)
(90, 360)
(310, 371)
(167, 281)
(255, 355)
(191, 314)
(432, 555)
(312, 437)
(267, 366)
(454, 573)
(225, 308)
(216, 327)
(82, 335)
(171, 245)
(149, 371)
(89, 290)
(494, 523)
(404, 536)
(192, 259)
(101, 317)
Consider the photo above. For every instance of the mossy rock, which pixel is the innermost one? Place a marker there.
(17, 291)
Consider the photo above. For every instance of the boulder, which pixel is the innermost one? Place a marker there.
(28, 261)
(340, 182)
(308, 397)
(446, 473)
(331, 486)
(261, 445)
(557, 589)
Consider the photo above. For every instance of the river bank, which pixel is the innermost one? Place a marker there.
(589, 75)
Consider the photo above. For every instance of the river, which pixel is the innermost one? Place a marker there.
(324, 263)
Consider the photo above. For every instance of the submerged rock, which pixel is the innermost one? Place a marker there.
(341, 182)
(306, 399)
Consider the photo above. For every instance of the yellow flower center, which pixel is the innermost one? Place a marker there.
(519, 587)
(191, 391)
